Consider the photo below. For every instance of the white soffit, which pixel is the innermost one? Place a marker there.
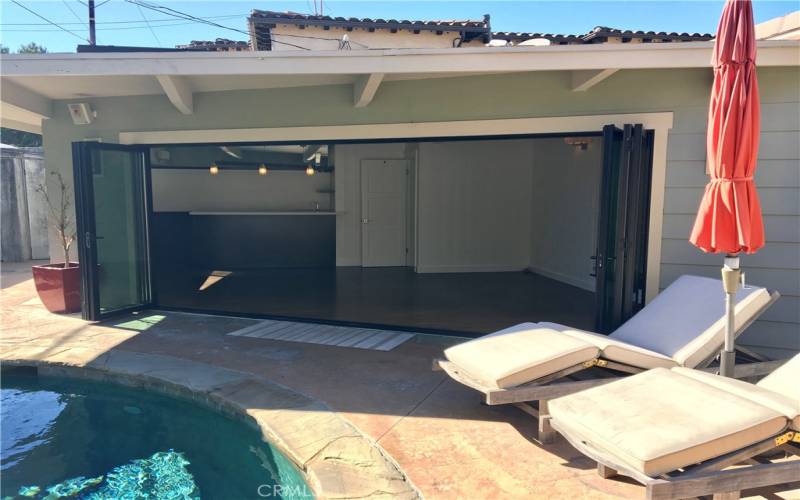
(395, 61)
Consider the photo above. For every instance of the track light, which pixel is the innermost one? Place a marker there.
(262, 169)
(310, 170)
(213, 169)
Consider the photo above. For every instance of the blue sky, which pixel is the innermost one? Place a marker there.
(121, 23)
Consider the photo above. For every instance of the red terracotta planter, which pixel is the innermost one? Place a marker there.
(59, 287)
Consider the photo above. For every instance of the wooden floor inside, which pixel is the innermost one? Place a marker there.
(473, 303)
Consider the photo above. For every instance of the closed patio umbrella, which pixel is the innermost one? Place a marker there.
(729, 218)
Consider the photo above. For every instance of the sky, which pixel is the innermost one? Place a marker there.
(122, 23)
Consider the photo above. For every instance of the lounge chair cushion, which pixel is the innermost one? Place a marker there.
(519, 354)
(661, 420)
(615, 350)
(784, 381)
(787, 405)
(686, 321)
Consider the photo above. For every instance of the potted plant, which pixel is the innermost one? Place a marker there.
(59, 285)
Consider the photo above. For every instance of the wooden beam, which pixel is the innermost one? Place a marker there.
(583, 80)
(732, 480)
(365, 87)
(178, 91)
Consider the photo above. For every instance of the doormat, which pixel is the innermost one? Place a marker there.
(315, 333)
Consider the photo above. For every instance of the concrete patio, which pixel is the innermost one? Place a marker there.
(443, 439)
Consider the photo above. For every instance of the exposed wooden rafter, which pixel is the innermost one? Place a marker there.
(583, 80)
(178, 91)
(365, 87)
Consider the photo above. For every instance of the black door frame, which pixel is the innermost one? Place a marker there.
(85, 223)
(623, 224)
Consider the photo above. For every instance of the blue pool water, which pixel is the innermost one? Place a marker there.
(66, 438)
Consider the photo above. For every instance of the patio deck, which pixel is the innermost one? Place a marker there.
(448, 444)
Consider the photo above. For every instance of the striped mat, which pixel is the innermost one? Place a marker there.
(315, 333)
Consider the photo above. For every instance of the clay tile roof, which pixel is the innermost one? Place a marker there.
(600, 34)
(272, 17)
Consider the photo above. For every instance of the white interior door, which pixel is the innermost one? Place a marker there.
(384, 187)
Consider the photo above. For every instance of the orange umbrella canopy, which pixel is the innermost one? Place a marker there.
(729, 217)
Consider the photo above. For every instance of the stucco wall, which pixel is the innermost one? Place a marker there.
(684, 92)
(290, 37)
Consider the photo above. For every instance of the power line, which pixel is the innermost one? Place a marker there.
(121, 28)
(83, 23)
(49, 21)
(182, 15)
(148, 25)
(79, 18)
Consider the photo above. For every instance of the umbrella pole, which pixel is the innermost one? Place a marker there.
(731, 277)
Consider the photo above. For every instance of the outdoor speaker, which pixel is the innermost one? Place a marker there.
(81, 113)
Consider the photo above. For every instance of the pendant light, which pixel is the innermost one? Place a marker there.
(262, 169)
(310, 171)
(213, 169)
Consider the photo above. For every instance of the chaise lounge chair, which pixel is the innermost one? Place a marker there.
(530, 363)
(677, 431)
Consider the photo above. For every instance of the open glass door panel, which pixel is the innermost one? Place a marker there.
(621, 256)
(113, 202)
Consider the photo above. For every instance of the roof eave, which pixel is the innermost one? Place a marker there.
(388, 61)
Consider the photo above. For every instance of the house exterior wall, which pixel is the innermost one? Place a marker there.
(289, 36)
(542, 94)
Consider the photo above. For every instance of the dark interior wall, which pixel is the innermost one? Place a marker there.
(226, 242)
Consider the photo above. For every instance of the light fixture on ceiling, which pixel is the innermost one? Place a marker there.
(262, 169)
(213, 169)
(581, 143)
(310, 171)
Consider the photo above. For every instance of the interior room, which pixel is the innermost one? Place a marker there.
(463, 236)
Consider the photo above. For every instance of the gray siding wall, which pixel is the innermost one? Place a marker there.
(777, 265)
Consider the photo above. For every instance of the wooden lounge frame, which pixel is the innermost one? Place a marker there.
(712, 477)
(532, 397)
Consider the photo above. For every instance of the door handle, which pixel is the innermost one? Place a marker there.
(594, 266)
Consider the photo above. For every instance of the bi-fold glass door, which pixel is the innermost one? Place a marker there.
(621, 256)
(112, 194)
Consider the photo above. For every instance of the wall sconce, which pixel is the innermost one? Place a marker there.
(310, 171)
(213, 169)
(262, 169)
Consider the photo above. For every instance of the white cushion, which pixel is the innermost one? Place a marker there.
(687, 320)
(661, 420)
(519, 354)
(786, 381)
(615, 350)
(784, 404)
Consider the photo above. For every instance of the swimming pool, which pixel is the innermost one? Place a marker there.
(82, 439)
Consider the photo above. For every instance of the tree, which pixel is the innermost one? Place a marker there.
(60, 214)
(20, 138)
(3, 49)
(31, 48)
